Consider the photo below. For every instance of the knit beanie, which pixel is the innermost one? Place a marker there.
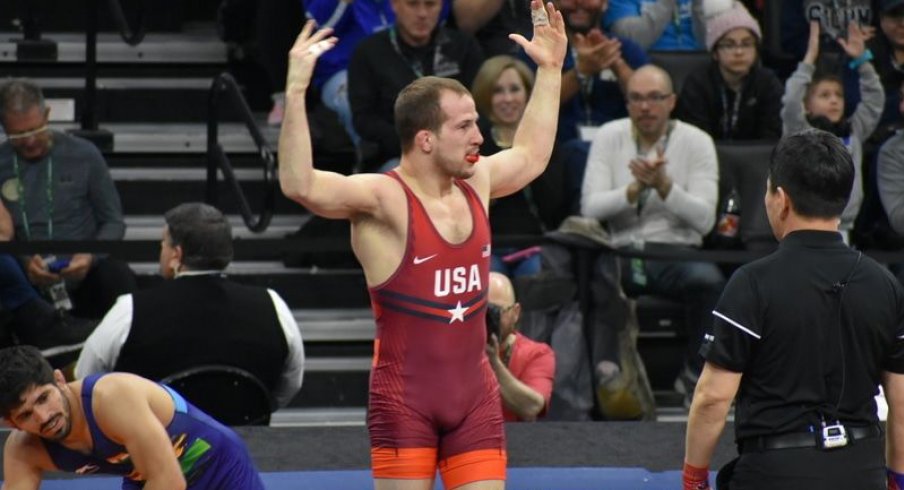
(723, 16)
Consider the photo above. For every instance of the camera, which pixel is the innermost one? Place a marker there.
(494, 322)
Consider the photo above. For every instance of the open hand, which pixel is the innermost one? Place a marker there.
(855, 44)
(303, 56)
(549, 42)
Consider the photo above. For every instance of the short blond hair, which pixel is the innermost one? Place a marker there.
(489, 73)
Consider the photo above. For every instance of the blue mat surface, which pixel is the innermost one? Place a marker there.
(518, 479)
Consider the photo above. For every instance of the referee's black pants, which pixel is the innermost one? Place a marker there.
(858, 466)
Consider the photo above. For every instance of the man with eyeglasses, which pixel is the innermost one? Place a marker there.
(524, 368)
(654, 181)
(55, 186)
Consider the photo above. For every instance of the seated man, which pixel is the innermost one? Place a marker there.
(524, 368)
(115, 423)
(418, 45)
(199, 317)
(36, 322)
(655, 182)
(55, 186)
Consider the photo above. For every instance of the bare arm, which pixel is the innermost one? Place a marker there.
(24, 462)
(123, 412)
(7, 228)
(327, 194)
(526, 398)
(471, 15)
(893, 384)
(646, 28)
(512, 169)
(712, 399)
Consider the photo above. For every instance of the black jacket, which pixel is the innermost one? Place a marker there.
(701, 104)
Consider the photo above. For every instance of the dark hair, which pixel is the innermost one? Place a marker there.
(21, 368)
(18, 95)
(417, 107)
(815, 170)
(204, 234)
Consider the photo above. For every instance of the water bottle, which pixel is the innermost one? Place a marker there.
(729, 223)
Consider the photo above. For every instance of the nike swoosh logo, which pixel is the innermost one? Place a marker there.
(421, 260)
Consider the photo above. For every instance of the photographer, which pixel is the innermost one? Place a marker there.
(524, 368)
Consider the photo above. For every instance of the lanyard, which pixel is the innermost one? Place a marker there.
(585, 90)
(415, 64)
(49, 191)
(730, 121)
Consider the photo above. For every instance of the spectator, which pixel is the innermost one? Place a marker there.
(655, 182)
(818, 101)
(36, 322)
(524, 368)
(658, 25)
(385, 62)
(501, 90)
(891, 175)
(199, 317)
(57, 187)
(492, 21)
(351, 22)
(888, 50)
(597, 67)
(734, 98)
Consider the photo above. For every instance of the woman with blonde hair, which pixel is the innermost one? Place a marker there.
(501, 89)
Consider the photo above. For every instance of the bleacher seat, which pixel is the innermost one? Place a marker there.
(745, 166)
(229, 394)
(680, 64)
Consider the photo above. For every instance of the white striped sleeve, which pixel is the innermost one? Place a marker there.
(737, 325)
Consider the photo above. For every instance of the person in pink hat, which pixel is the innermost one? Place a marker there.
(734, 98)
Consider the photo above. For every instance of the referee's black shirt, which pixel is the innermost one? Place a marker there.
(778, 322)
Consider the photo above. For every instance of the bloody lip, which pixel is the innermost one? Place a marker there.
(472, 158)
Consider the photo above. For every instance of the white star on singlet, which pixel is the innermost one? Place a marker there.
(458, 313)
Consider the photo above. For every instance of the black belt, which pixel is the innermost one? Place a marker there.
(803, 439)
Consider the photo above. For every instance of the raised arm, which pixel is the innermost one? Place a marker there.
(512, 169)
(646, 27)
(327, 194)
(794, 118)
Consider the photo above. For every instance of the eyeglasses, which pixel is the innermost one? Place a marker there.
(16, 137)
(743, 46)
(654, 98)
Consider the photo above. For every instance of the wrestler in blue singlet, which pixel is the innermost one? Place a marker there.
(211, 455)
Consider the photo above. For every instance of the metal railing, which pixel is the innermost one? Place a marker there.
(131, 36)
(225, 85)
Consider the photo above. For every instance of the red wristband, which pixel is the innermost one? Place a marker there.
(694, 478)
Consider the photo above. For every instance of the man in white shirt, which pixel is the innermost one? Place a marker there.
(199, 317)
(654, 180)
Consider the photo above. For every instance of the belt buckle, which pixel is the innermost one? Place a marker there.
(834, 436)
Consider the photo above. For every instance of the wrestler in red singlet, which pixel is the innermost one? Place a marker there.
(434, 401)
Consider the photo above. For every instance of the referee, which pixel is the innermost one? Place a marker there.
(803, 337)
